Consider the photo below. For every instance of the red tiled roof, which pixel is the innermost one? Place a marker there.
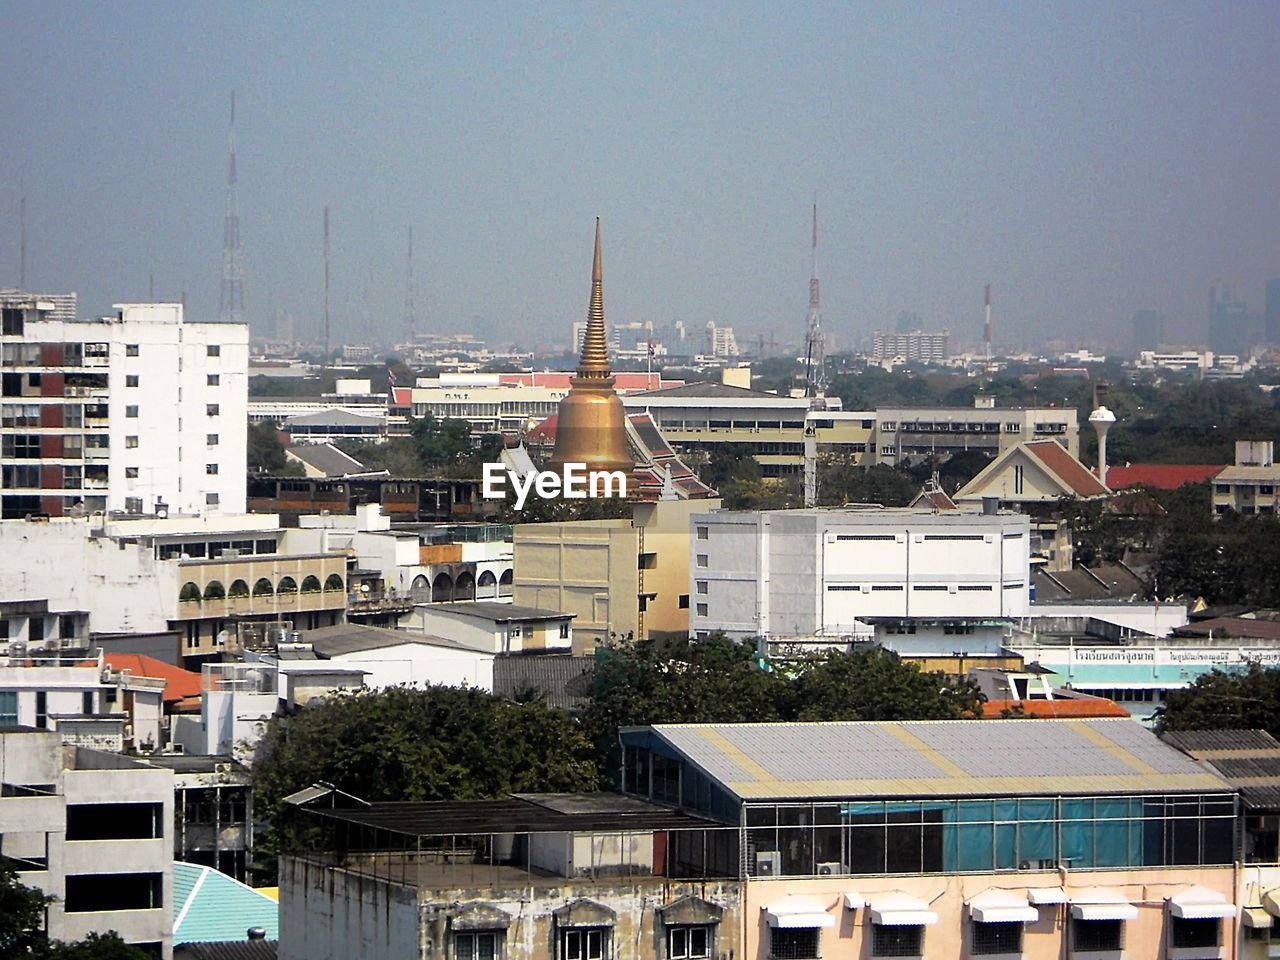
(1066, 467)
(1055, 709)
(1162, 476)
(545, 432)
(179, 683)
(1249, 627)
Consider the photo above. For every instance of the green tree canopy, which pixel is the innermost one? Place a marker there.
(22, 937)
(877, 684)
(1219, 700)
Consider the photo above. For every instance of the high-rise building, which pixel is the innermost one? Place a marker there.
(1271, 328)
(140, 412)
(1228, 321)
(925, 347)
(1148, 330)
(57, 306)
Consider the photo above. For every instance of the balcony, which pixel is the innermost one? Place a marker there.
(268, 586)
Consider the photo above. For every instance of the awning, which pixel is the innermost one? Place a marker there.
(1199, 903)
(1255, 917)
(1041, 896)
(1100, 903)
(854, 901)
(797, 912)
(1271, 901)
(1002, 906)
(900, 910)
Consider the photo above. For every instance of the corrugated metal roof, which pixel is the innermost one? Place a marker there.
(209, 906)
(936, 758)
(1195, 741)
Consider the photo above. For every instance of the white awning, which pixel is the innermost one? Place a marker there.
(1199, 903)
(1271, 902)
(1100, 903)
(1002, 906)
(1042, 896)
(900, 910)
(854, 901)
(797, 912)
(1256, 917)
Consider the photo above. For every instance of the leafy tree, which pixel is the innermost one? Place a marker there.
(1219, 700)
(840, 483)
(440, 442)
(266, 452)
(97, 946)
(22, 911)
(877, 684)
(437, 743)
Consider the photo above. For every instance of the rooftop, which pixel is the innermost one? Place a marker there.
(757, 761)
(498, 612)
(326, 458)
(1162, 476)
(1249, 759)
(349, 638)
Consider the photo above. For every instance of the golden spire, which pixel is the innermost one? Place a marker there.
(591, 425)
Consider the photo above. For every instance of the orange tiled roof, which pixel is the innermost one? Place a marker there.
(1162, 476)
(1070, 470)
(1064, 709)
(179, 683)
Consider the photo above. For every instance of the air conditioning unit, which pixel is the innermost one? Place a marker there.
(1024, 865)
(831, 868)
(768, 863)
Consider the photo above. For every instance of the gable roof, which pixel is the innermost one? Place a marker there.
(209, 906)
(1248, 758)
(325, 458)
(711, 389)
(1066, 475)
(348, 638)
(178, 684)
(1162, 476)
(333, 418)
(761, 761)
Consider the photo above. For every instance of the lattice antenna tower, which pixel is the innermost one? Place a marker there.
(815, 375)
(410, 292)
(231, 298)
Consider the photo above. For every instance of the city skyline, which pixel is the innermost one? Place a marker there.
(1087, 161)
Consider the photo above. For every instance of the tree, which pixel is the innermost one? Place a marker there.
(266, 452)
(1219, 700)
(440, 442)
(22, 912)
(97, 946)
(841, 483)
(877, 684)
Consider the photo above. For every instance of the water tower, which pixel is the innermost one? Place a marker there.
(1102, 419)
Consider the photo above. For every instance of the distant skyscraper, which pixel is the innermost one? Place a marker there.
(1148, 330)
(1271, 330)
(1228, 321)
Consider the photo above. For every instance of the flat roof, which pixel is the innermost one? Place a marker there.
(935, 758)
(499, 612)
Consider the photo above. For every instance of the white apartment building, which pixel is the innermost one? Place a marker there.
(95, 831)
(807, 573)
(137, 413)
(907, 434)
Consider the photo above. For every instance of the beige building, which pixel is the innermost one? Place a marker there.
(615, 576)
(1251, 484)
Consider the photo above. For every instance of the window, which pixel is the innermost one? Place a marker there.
(131, 410)
(1017, 479)
(100, 892)
(211, 439)
(131, 473)
(131, 380)
(584, 943)
(1097, 935)
(211, 409)
(996, 937)
(86, 702)
(703, 533)
(211, 499)
(702, 559)
(897, 941)
(115, 821)
(702, 586)
(130, 443)
(130, 349)
(212, 380)
(42, 703)
(213, 350)
(8, 707)
(211, 469)
(564, 631)
(483, 945)
(688, 943)
(684, 601)
(793, 943)
(1194, 933)
(133, 504)
(702, 609)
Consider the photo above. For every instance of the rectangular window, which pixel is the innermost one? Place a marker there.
(211, 499)
(212, 380)
(131, 473)
(8, 707)
(130, 349)
(584, 943)
(996, 938)
(131, 380)
(684, 601)
(688, 943)
(702, 587)
(42, 703)
(211, 469)
(702, 559)
(482, 945)
(115, 821)
(1195, 933)
(897, 941)
(703, 533)
(793, 943)
(131, 410)
(130, 443)
(211, 409)
(100, 892)
(86, 703)
(702, 609)
(1097, 935)
(211, 439)
(564, 631)
(213, 350)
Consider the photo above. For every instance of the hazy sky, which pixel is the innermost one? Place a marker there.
(1086, 158)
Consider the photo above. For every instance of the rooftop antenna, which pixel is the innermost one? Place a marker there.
(814, 352)
(22, 240)
(231, 300)
(410, 311)
(326, 286)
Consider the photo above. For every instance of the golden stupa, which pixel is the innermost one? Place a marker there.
(591, 427)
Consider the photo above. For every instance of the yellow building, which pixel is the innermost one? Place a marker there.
(623, 577)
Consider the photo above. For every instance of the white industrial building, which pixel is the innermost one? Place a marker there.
(95, 831)
(140, 412)
(806, 573)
